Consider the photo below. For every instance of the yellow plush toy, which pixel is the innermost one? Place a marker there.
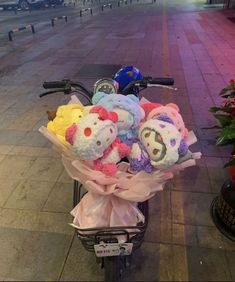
(63, 118)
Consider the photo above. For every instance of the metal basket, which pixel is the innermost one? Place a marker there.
(92, 236)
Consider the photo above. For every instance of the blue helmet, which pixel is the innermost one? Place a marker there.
(126, 75)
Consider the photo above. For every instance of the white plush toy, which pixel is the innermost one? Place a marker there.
(160, 146)
(94, 138)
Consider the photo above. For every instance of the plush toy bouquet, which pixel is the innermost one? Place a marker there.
(122, 150)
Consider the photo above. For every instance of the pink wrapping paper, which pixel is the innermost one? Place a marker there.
(133, 187)
(111, 201)
(97, 210)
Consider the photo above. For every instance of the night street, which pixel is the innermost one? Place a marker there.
(182, 39)
(41, 17)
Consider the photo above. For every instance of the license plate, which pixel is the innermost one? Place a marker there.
(113, 249)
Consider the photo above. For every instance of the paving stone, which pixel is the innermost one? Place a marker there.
(172, 264)
(29, 151)
(145, 264)
(25, 121)
(206, 133)
(180, 263)
(60, 198)
(209, 237)
(45, 169)
(228, 244)
(160, 206)
(158, 231)
(230, 257)
(196, 94)
(204, 120)
(207, 265)
(184, 106)
(201, 107)
(65, 178)
(194, 179)
(44, 55)
(199, 185)
(216, 172)
(32, 256)
(35, 139)
(81, 265)
(7, 186)
(14, 111)
(23, 104)
(210, 150)
(30, 194)
(214, 82)
(166, 263)
(183, 234)
(42, 121)
(188, 118)
(49, 152)
(36, 221)
(7, 103)
(10, 137)
(191, 208)
(5, 149)
(207, 66)
(16, 166)
(201, 236)
(195, 79)
(11, 242)
(6, 119)
(2, 157)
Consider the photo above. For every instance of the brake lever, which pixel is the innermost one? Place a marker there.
(162, 86)
(141, 84)
(51, 92)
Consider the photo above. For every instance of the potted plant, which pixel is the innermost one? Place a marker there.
(223, 206)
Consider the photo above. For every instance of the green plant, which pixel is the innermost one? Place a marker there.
(225, 115)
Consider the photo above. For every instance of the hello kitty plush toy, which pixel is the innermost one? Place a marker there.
(154, 110)
(94, 139)
(160, 146)
(128, 110)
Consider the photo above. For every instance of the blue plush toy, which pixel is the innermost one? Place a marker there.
(128, 110)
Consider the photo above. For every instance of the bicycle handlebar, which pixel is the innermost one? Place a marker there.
(160, 80)
(148, 81)
(66, 85)
(55, 84)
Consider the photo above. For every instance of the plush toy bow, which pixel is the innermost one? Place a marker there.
(104, 114)
(69, 134)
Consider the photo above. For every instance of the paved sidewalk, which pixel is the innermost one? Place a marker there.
(194, 45)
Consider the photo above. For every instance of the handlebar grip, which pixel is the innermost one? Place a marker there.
(162, 80)
(54, 84)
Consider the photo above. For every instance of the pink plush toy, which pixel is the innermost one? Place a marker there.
(94, 138)
(155, 110)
